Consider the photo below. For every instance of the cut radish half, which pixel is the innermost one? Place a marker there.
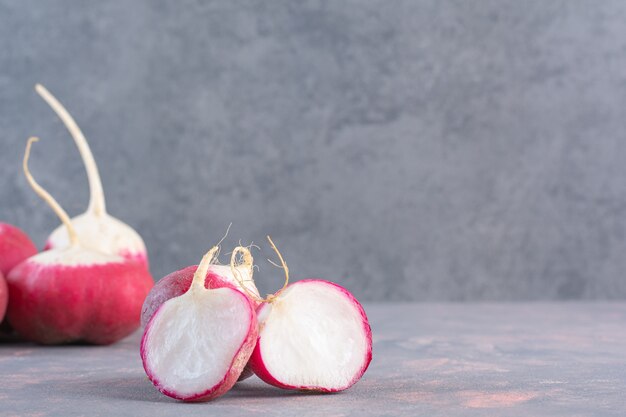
(196, 345)
(314, 335)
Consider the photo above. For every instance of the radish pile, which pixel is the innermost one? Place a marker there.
(312, 335)
(205, 326)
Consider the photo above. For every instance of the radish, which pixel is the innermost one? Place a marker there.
(178, 283)
(74, 293)
(15, 246)
(4, 296)
(96, 228)
(313, 335)
(196, 345)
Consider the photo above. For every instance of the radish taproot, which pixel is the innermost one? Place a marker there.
(15, 246)
(313, 336)
(196, 345)
(217, 276)
(96, 228)
(74, 293)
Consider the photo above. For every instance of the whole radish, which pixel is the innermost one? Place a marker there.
(96, 228)
(15, 246)
(4, 296)
(74, 293)
(196, 345)
(178, 283)
(313, 336)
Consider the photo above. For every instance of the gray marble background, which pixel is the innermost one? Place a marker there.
(409, 150)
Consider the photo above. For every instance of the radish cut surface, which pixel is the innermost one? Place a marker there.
(314, 336)
(193, 339)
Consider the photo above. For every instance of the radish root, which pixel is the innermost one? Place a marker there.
(247, 260)
(271, 297)
(241, 256)
(45, 196)
(97, 204)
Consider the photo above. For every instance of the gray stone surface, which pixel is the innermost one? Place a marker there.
(410, 150)
(428, 360)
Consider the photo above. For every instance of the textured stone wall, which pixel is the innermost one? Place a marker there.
(409, 150)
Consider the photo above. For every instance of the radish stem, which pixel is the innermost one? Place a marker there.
(197, 284)
(247, 261)
(97, 205)
(45, 196)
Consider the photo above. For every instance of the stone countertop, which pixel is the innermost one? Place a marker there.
(530, 359)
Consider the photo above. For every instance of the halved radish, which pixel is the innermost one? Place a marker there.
(196, 345)
(313, 335)
(96, 228)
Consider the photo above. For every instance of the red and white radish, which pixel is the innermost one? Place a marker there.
(196, 345)
(313, 335)
(217, 276)
(96, 228)
(15, 246)
(74, 293)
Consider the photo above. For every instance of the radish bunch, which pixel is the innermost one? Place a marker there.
(74, 293)
(312, 335)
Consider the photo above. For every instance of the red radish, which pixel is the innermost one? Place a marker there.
(15, 246)
(313, 335)
(4, 296)
(74, 293)
(196, 345)
(96, 228)
(178, 283)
